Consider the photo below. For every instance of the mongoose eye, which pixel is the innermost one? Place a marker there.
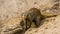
(34, 20)
(22, 23)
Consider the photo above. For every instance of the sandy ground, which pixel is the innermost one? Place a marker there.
(11, 10)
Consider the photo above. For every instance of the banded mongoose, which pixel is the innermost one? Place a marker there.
(32, 15)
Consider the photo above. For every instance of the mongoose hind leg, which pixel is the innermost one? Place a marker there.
(38, 21)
